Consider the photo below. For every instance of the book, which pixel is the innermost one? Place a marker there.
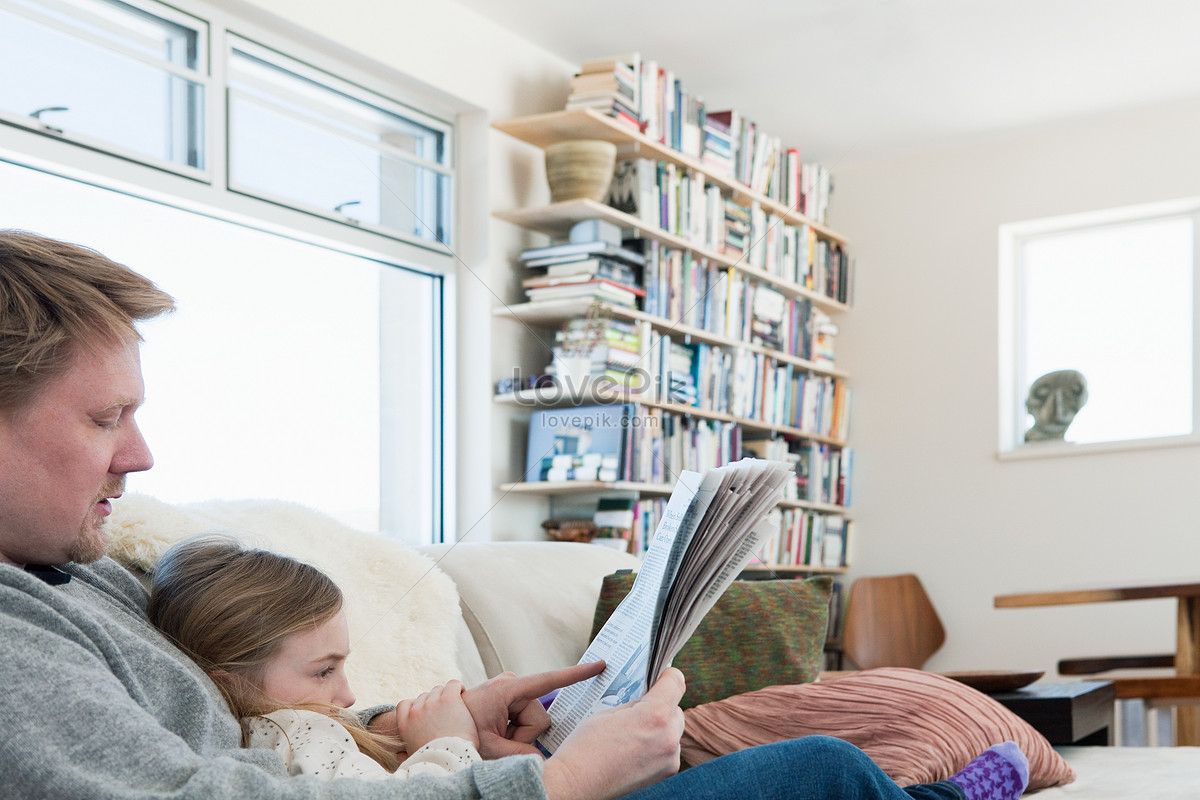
(579, 443)
(540, 281)
(554, 253)
(712, 525)
(600, 267)
(594, 287)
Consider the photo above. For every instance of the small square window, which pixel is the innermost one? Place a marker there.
(1102, 332)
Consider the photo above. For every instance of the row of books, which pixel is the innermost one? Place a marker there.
(823, 472)
(695, 292)
(667, 197)
(624, 442)
(750, 386)
(805, 538)
(652, 100)
(802, 539)
(627, 442)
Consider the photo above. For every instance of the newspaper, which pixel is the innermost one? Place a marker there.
(712, 526)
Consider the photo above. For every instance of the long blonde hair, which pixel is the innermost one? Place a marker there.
(231, 608)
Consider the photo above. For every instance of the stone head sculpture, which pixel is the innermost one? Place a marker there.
(1054, 400)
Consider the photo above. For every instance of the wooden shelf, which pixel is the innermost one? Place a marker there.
(552, 399)
(541, 130)
(647, 489)
(556, 219)
(812, 505)
(556, 312)
(583, 487)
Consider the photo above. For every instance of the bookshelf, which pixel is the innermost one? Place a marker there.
(556, 220)
(586, 123)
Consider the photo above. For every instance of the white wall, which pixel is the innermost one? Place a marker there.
(489, 74)
(930, 495)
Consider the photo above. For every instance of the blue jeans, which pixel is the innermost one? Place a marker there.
(812, 768)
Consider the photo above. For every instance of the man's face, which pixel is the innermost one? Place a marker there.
(63, 457)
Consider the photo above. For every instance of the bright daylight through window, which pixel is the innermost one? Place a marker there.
(1101, 327)
(305, 361)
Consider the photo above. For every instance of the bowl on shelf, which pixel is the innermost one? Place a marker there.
(570, 530)
(580, 169)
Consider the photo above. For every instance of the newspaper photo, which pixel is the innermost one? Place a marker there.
(712, 525)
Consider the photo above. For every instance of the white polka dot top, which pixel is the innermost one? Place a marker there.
(313, 744)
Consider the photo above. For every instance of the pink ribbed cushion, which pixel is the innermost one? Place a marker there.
(919, 727)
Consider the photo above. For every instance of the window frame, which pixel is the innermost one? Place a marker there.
(357, 92)
(1012, 416)
(202, 75)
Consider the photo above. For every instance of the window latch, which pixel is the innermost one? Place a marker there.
(38, 116)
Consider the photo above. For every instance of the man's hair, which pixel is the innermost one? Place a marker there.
(56, 298)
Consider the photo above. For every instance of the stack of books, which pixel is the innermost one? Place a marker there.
(615, 354)
(610, 85)
(593, 264)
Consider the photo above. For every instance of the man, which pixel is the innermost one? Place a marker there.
(95, 702)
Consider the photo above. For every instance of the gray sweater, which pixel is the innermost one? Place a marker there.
(96, 703)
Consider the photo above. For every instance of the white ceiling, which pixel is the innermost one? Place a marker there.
(848, 78)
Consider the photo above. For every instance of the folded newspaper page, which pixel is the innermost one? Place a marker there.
(712, 525)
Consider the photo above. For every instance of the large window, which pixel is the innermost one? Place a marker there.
(1099, 334)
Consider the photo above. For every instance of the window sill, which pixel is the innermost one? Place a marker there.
(1037, 450)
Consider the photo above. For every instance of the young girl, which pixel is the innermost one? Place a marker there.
(271, 633)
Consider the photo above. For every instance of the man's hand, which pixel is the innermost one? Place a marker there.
(507, 712)
(622, 749)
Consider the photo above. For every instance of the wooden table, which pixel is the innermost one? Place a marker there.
(1187, 636)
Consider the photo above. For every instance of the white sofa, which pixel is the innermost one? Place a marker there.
(522, 606)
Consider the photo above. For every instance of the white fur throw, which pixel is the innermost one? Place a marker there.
(401, 608)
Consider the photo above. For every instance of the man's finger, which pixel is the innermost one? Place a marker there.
(540, 683)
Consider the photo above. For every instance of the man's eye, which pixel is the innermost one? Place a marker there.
(325, 673)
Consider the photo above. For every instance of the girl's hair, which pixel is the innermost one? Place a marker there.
(231, 609)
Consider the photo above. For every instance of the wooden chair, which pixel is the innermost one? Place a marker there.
(890, 622)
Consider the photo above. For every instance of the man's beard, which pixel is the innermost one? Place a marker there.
(92, 543)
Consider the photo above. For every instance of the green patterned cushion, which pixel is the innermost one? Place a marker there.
(760, 633)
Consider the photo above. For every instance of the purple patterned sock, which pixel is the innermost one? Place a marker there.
(999, 773)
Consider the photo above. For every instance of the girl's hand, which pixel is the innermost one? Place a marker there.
(436, 713)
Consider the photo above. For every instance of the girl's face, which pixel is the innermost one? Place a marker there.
(310, 667)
